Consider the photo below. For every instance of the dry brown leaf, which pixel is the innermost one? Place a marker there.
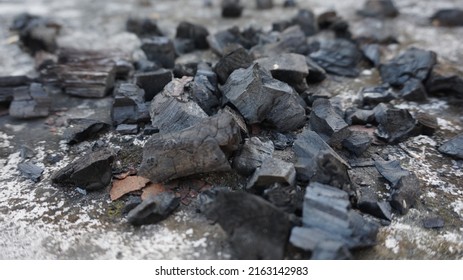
(124, 186)
(152, 189)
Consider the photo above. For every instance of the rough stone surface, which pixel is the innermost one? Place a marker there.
(153, 82)
(236, 59)
(357, 143)
(395, 125)
(453, 147)
(339, 57)
(272, 171)
(251, 155)
(194, 32)
(30, 102)
(153, 209)
(160, 50)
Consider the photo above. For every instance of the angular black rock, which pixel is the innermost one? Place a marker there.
(30, 102)
(173, 110)
(8, 85)
(143, 27)
(307, 21)
(405, 194)
(231, 8)
(272, 170)
(427, 124)
(453, 147)
(433, 222)
(264, 4)
(448, 17)
(153, 209)
(327, 123)
(413, 63)
(150, 130)
(127, 128)
(372, 52)
(379, 8)
(183, 46)
(30, 171)
(251, 155)
(153, 82)
(259, 97)
(291, 40)
(194, 32)
(311, 152)
(187, 69)
(395, 125)
(444, 84)
(225, 41)
(378, 94)
(129, 105)
(290, 68)
(357, 143)
(355, 116)
(160, 50)
(144, 65)
(238, 58)
(391, 170)
(256, 229)
(36, 33)
(368, 202)
(91, 172)
(82, 129)
(413, 90)
(202, 148)
(339, 57)
(282, 141)
(204, 93)
(316, 73)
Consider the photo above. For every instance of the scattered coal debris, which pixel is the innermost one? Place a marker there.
(330, 227)
(447, 17)
(238, 58)
(160, 50)
(195, 33)
(91, 172)
(223, 42)
(290, 40)
(153, 82)
(231, 8)
(443, 83)
(256, 229)
(127, 128)
(272, 171)
(395, 125)
(433, 222)
(357, 143)
(372, 96)
(31, 171)
(251, 155)
(143, 27)
(153, 209)
(129, 105)
(30, 102)
(83, 129)
(379, 8)
(453, 147)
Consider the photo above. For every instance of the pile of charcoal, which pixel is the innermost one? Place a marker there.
(263, 96)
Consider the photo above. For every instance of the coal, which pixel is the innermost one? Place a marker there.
(127, 128)
(129, 105)
(395, 125)
(183, 46)
(251, 155)
(372, 53)
(357, 143)
(231, 8)
(427, 124)
(282, 141)
(316, 73)
(187, 69)
(379, 8)
(256, 229)
(30, 102)
(371, 96)
(453, 147)
(272, 170)
(36, 33)
(259, 97)
(83, 129)
(291, 40)
(290, 68)
(173, 110)
(444, 84)
(144, 65)
(307, 21)
(414, 90)
(153, 209)
(355, 116)
(368, 202)
(91, 172)
(391, 170)
(264, 4)
(236, 59)
(202, 148)
(414, 63)
(194, 32)
(433, 222)
(339, 57)
(30, 171)
(153, 82)
(160, 50)
(327, 123)
(405, 194)
(150, 130)
(285, 197)
(448, 17)
(225, 41)
(204, 93)
(8, 84)
(143, 27)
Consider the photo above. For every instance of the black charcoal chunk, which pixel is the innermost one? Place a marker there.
(36, 33)
(238, 58)
(173, 109)
(8, 85)
(144, 65)
(204, 147)
(30, 171)
(153, 82)
(183, 46)
(307, 21)
(413, 63)
(448, 17)
(395, 125)
(357, 143)
(427, 124)
(194, 32)
(160, 50)
(91, 172)
(83, 129)
(453, 147)
(327, 123)
(391, 170)
(132, 202)
(30, 102)
(150, 130)
(379, 8)
(129, 105)
(127, 128)
(355, 116)
(153, 209)
(282, 141)
(316, 73)
(286, 198)
(367, 202)
(256, 229)
(225, 41)
(413, 90)
(291, 40)
(231, 8)
(290, 68)
(251, 155)
(433, 222)
(143, 27)
(188, 69)
(378, 94)
(444, 84)
(372, 52)
(288, 112)
(204, 93)
(264, 4)
(272, 170)
(405, 194)
(339, 57)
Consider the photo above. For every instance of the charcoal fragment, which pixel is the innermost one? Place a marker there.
(367, 202)
(405, 194)
(307, 21)
(150, 130)
(444, 84)
(231, 8)
(153, 209)
(238, 58)
(427, 124)
(357, 143)
(153, 82)
(188, 69)
(31, 171)
(448, 17)
(30, 102)
(271, 171)
(316, 73)
(378, 94)
(226, 41)
(143, 27)
(282, 141)
(127, 128)
(395, 125)
(379, 8)
(291, 40)
(453, 147)
(194, 32)
(82, 129)
(372, 52)
(286, 198)
(204, 93)
(413, 90)
(355, 116)
(160, 50)
(129, 105)
(433, 222)
(391, 170)
(251, 155)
